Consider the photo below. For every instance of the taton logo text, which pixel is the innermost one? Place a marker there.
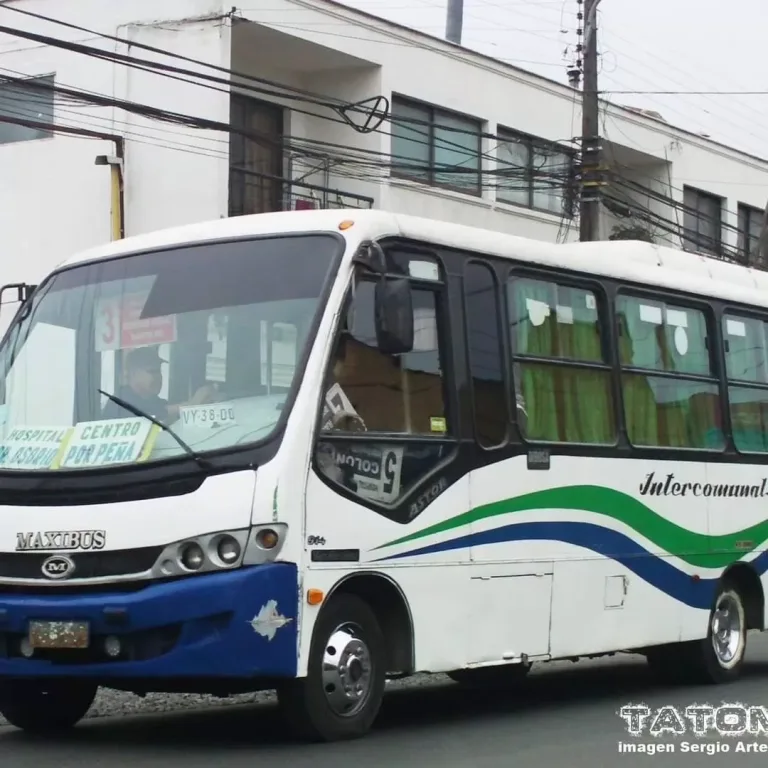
(42, 541)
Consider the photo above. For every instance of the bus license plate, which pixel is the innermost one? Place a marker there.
(59, 634)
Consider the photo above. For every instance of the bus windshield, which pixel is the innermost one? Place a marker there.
(204, 338)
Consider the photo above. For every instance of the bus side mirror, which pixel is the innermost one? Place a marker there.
(23, 292)
(394, 315)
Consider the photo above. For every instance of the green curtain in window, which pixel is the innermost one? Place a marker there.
(639, 398)
(749, 418)
(663, 411)
(554, 396)
(538, 382)
(745, 361)
(581, 341)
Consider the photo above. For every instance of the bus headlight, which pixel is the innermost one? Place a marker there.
(210, 552)
(228, 549)
(221, 551)
(191, 556)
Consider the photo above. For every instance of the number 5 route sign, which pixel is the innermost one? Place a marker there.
(119, 324)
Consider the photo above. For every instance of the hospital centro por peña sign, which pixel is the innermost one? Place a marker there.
(32, 447)
(100, 443)
(87, 444)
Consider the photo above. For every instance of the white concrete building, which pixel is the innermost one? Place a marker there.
(467, 138)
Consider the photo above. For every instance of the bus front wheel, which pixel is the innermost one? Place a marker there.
(45, 706)
(344, 687)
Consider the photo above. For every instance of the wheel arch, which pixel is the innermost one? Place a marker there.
(388, 601)
(746, 580)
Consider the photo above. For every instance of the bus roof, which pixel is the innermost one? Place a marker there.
(630, 261)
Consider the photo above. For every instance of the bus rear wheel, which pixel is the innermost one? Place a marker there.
(342, 693)
(719, 657)
(45, 706)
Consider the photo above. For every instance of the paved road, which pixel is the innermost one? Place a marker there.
(564, 715)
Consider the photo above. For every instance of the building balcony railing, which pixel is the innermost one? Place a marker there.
(251, 192)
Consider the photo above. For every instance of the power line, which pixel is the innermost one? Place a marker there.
(363, 156)
(175, 72)
(722, 250)
(552, 178)
(283, 92)
(363, 160)
(651, 61)
(376, 111)
(163, 70)
(689, 93)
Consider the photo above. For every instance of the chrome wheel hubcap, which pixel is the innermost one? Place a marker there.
(727, 631)
(347, 671)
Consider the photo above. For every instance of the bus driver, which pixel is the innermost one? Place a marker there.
(144, 380)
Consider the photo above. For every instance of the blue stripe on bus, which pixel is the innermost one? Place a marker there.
(654, 569)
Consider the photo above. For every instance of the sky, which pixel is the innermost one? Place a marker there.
(645, 45)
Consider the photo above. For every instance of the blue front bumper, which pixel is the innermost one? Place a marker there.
(201, 626)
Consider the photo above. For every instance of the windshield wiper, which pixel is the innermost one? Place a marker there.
(199, 460)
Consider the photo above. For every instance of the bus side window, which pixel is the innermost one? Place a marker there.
(665, 354)
(747, 370)
(481, 308)
(392, 393)
(559, 363)
(370, 392)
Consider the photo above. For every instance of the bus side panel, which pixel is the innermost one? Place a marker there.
(737, 514)
(623, 555)
(435, 583)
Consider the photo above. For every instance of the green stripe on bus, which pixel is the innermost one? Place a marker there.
(697, 549)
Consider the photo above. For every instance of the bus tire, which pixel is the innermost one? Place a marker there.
(495, 678)
(342, 693)
(45, 707)
(719, 657)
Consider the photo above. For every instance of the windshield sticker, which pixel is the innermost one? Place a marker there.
(32, 447)
(437, 424)
(103, 443)
(208, 416)
(119, 325)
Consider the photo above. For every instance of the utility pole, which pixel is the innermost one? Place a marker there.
(591, 181)
(454, 21)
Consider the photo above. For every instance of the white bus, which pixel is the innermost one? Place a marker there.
(312, 451)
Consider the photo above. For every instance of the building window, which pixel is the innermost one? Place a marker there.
(703, 221)
(26, 109)
(750, 227)
(533, 173)
(255, 157)
(436, 147)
